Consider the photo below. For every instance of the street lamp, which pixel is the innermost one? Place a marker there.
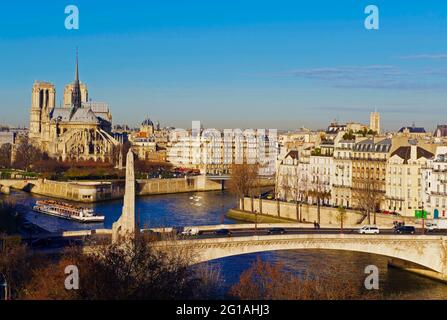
(423, 219)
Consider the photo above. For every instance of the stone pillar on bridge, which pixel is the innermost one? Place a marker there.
(126, 225)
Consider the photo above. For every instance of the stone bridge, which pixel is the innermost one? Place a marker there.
(422, 254)
(21, 184)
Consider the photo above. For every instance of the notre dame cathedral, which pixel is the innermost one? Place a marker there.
(78, 130)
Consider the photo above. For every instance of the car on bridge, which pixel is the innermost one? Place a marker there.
(405, 230)
(222, 232)
(194, 231)
(369, 230)
(276, 231)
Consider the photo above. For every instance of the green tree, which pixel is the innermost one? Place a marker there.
(349, 135)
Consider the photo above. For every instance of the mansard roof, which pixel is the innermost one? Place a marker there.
(368, 145)
(405, 153)
(412, 129)
(293, 154)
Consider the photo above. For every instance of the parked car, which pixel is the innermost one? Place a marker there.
(222, 232)
(405, 230)
(369, 230)
(177, 230)
(276, 231)
(436, 225)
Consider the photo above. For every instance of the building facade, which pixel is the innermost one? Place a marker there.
(213, 152)
(434, 185)
(369, 158)
(341, 194)
(404, 179)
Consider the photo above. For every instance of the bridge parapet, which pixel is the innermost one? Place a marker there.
(425, 251)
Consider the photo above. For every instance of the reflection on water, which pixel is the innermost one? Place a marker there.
(350, 266)
(209, 208)
(153, 211)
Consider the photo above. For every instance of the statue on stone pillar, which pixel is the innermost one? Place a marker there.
(126, 225)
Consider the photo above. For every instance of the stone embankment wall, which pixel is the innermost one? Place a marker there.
(88, 191)
(309, 213)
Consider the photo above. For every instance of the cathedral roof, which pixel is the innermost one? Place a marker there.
(85, 115)
(61, 114)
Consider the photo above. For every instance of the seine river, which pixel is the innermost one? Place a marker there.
(210, 207)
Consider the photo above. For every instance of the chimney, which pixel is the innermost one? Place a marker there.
(413, 155)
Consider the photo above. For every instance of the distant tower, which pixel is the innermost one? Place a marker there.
(374, 121)
(126, 224)
(43, 100)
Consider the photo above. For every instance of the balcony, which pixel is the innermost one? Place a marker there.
(439, 193)
(400, 199)
(368, 159)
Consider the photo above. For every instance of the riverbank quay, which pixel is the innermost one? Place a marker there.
(98, 191)
(250, 209)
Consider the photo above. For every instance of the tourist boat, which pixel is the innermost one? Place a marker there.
(66, 211)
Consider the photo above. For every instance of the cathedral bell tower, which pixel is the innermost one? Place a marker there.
(43, 101)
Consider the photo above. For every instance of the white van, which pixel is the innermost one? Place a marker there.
(369, 230)
(191, 231)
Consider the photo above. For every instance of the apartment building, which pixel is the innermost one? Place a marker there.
(404, 179)
(341, 194)
(369, 158)
(434, 185)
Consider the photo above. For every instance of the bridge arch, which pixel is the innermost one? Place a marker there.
(425, 251)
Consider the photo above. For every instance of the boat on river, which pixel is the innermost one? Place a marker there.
(67, 211)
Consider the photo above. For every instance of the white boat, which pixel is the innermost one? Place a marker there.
(67, 211)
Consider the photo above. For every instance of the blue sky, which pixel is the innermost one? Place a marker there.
(274, 64)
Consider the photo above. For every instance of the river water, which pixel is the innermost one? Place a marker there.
(209, 208)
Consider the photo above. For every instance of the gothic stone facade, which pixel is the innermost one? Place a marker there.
(78, 130)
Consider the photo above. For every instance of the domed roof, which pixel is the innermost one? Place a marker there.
(147, 122)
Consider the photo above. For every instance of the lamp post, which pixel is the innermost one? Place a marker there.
(423, 219)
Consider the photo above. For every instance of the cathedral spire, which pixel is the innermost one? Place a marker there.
(76, 93)
(77, 66)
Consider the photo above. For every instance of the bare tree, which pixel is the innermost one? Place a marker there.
(244, 181)
(132, 269)
(368, 194)
(320, 193)
(5, 155)
(266, 281)
(26, 155)
(341, 216)
(299, 191)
